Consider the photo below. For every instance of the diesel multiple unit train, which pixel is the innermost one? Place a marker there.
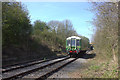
(76, 45)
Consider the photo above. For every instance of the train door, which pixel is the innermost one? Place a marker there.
(78, 45)
(68, 44)
(73, 44)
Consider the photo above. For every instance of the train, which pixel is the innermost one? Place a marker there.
(76, 45)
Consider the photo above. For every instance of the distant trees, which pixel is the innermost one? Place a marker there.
(53, 33)
(62, 28)
(16, 25)
(39, 25)
(106, 24)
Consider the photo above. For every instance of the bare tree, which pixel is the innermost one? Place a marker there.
(106, 24)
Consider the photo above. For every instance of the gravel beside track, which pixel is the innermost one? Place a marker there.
(70, 68)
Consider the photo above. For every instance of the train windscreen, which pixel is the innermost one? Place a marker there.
(77, 42)
(68, 42)
(72, 42)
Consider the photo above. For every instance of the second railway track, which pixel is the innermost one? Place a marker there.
(24, 64)
(20, 72)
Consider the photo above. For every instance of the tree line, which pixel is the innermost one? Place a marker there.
(16, 25)
(53, 33)
(18, 32)
(105, 38)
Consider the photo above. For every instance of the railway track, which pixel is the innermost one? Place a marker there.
(46, 72)
(24, 64)
(23, 71)
(19, 63)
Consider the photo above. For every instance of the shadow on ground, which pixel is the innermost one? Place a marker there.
(15, 54)
(85, 55)
(88, 56)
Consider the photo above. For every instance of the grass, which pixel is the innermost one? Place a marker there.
(94, 67)
(100, 68)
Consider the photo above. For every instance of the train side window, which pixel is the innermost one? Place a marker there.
(77, 42)
(68, 42)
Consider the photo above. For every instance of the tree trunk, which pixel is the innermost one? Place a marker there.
(114, 57)
(113, 51)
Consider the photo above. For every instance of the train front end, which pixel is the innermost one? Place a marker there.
(73, 45)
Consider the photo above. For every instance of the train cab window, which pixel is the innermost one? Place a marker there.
(68, 42)
(77, 42)
(73, 42)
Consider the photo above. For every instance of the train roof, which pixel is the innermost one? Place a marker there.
(73, 37)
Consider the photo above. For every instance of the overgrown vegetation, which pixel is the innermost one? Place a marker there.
(98, 68)
(105, 38)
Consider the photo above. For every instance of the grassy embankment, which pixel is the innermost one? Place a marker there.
(99, 67)
(33, 50)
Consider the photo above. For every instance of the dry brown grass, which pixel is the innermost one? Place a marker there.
(98, 68)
